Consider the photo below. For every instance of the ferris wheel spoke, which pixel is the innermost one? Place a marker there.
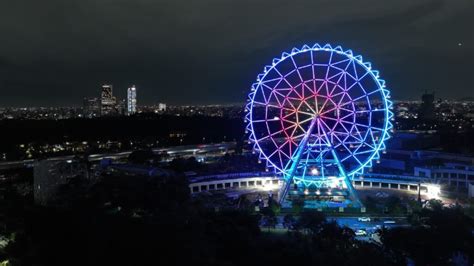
(349, 115)
(337, 94)
(321, 110)
(272, 106)
(344, 127)
(300, 126)
(278, 72)
(328, 65)
(335, 86)
(318, 90)
(304, 113)
(271, 89)
(294, 130)
(369, 151)
(368, 126)
(281, 95)
(306, 120)
(351, 102)
(357, 159)
(286, 81)
(341, 69)
(310, 108)
(371, 111)
(356, 135)
(321, 123)
(358, 132)
(285, 155)
(347, 151)
(339, 139)
(292, 107)
(270, 135)
(297, 137)
(297, 69)
(364, 95)
(298, 97)
(273, 153)
(335, 75)
(264, 83)
(262, 104)
(260, 121)
(374, 138)
(289, 114)
(328, 111)
(363, 76)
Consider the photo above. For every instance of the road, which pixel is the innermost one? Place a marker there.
(353, 223)
(372, 226)
(173, 151)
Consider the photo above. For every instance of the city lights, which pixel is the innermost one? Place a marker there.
(433, 191)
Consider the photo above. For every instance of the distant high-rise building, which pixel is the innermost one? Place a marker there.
(107, 91)
(91, 107)
(162, 107)
(107, 101)
(427, 108)
(122, 107)
(131, 100)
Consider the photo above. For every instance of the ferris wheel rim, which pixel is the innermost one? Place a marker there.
(374, 74)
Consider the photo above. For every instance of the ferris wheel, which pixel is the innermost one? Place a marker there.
(318, 116)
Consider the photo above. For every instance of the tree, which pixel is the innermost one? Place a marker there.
(141, 156)
(297, 205)
(274, 206)
(435, 204)
(393, 204)
(311, 222)
(270, 221)
(332, 230)
(289, 221)
(370, 203)
(446, 232)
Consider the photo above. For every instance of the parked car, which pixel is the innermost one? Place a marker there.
(360, 232)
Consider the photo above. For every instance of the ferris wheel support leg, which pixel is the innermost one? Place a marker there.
(294, 163)
(352, 192)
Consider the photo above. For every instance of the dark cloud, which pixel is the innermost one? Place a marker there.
(55, 52)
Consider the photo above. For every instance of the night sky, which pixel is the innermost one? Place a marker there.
(55, 52)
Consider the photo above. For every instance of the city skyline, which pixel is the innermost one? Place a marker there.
(222, 132)
(215, 53)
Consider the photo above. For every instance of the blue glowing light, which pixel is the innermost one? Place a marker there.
(332, 88)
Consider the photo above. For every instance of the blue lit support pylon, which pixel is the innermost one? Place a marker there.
(295, 161)
(352, 192)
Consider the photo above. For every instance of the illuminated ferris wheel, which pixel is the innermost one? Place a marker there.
(319, 115)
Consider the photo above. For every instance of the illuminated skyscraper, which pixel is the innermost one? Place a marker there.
(131, 100)
(107, 91)
(162, 107)
(107, 101)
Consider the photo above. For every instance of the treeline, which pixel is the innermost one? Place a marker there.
(152, 221)
(196, 127)
(160, 130)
